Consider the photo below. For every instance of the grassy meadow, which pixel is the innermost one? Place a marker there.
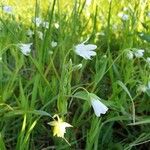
(74, 75)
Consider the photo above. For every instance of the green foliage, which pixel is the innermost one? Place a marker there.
(53, 79)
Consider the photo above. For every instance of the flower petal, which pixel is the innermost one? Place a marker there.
(85, 51)
(99, 108)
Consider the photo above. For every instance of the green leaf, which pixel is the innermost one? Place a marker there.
(2, 144)
(81, 95)
(127, 91)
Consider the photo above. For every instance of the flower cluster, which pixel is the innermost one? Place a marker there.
(138, 53)
(38, 21)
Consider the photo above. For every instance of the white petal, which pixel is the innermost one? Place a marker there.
(85, 51)
(90, 47)
(25, 48)
(99, 108)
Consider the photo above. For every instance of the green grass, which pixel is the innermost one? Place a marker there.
(49, 81)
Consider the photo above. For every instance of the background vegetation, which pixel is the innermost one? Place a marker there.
(33, 88)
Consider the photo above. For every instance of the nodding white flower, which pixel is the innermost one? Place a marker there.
(53, 44)
(56, 25)
(124, 17)
(7, 9)
(139, 53)
(40, 34)
(45, 24)
(141, 88)
(129, 55)
(25, 48)
(37, 21)
(30, 33)
(85, 51)
(99, 107)
(148, 60)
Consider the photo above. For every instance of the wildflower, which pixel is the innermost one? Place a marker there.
(30, 33)
(148, 60)
(85, 51)
(124, 17)
(56, 25)
(59, 127)
(99, 107)
(25, 48)
(53, 44)
(40, 34)
(129, 55)
(7, 9)
(45, 24)
(142, 89)
(37, 21)
(139, 53)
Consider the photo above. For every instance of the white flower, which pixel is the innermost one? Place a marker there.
(37, 21)
(56, 25)
(124, 17)
(7, 9)
(85, 51)
(148, 60)
(30, 33)
(45, 24)
(129, 55)
(40, 34)
(142, 88)
(25, 48)
(53, 44)
(99, 107)
(139, 53)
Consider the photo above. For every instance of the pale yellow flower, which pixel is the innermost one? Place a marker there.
(59, 127)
